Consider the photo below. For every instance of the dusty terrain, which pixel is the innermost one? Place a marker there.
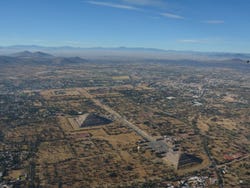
(157, 112)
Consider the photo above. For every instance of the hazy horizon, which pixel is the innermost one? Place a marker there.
(120, 52)
(207, 26)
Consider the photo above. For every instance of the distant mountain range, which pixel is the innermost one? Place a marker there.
(28, 54)
(38, 58)
(100, 52)
(27, 57)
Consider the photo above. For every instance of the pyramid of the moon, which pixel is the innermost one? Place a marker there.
(188, 159)
(91, 119)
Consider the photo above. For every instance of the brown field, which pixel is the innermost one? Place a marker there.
(120, 78)
(42, 108)
(53, 152)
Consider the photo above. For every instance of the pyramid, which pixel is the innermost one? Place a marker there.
(92, 119)
(188, 159)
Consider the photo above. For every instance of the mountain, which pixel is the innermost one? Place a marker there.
(38, 58)
(41, 58)
(68, 60)
(28, 54)
(120, 53)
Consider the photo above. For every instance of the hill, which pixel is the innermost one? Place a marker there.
(28, 54)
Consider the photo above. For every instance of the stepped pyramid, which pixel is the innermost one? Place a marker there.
(91, 119)
(188, 159)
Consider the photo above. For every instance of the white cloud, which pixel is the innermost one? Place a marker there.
(173, 16)
(193, 41)
(210, 40)
(113, 5)
(145, 2)
(71, 42)
(214, 21)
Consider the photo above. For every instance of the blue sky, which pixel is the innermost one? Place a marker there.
(199, 25)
